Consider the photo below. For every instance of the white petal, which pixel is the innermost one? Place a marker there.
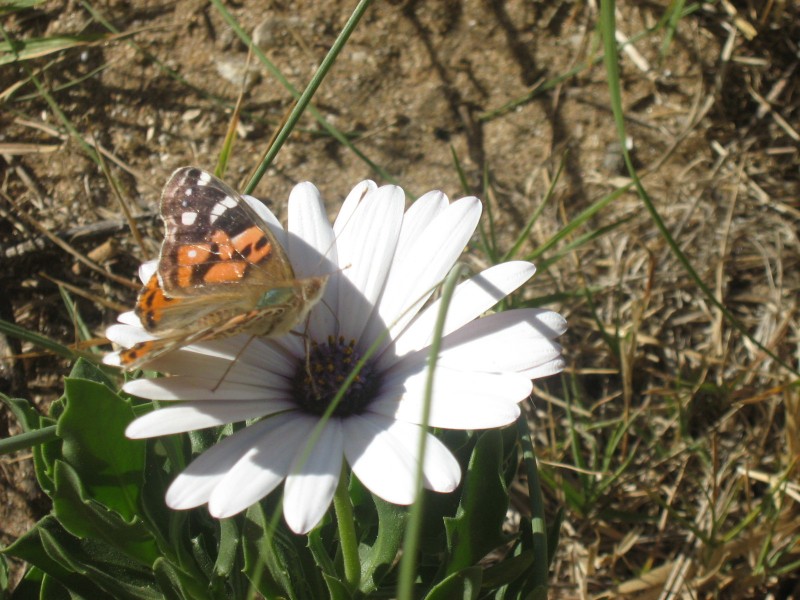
(146, 270)
(253, 359)
(262, 210)
(499, 356)
(418, 217)
(513, 340)
(550, 368)
(269, 218)
(130, 318)
(460, 400)
(127, 335)
(470, 299)
(384, 454)
(351, 204)
(313, 235)
(366, 248)
(112, 359)
(262, 468)
(312, 250)
(199, 415)
(191, 388)
(313, 479)
(423, 265)
(529, 322)
(194, 485)
(449, 412)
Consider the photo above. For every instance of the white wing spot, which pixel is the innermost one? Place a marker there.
(212, 217)
(188, 191)
(218, 209)
(188, 218)
(191, 253)
(228, 202)
(204, 178)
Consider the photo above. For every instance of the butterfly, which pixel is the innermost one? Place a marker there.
(221, 272)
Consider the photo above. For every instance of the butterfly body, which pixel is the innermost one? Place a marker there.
(221, 272)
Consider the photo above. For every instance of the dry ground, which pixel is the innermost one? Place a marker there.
(709, 425)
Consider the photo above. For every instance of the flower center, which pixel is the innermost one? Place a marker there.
(319, 379)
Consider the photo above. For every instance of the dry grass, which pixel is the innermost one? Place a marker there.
(672, 442)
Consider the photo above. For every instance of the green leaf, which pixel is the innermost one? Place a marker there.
(464, 585)
(32, 550)
(53, 590)
(101, 564)
(93, 429)
(85, 369)
(40, 437)
(553, 534)
(377, 560)
(30, 587)
(24, 412)
(3, 575)
(477, 527)
(86, 518)
(162, 521)
(508, 570)
(177, 585)
(337, 589)
(228, 548)
(273, 562)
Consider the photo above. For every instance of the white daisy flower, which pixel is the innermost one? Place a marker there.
(384, 263)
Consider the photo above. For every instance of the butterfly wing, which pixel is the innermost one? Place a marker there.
(215, 241)
(144, 352)
(162, 314)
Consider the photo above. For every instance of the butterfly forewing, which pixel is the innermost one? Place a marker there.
(214, 240)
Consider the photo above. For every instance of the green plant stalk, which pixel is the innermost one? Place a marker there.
(308, 93)
(347, 532)
(405, 590)
(541, 553)
(608, 26)
(28, 439)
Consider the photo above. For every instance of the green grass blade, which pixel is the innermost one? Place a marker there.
(413, 535)
(18, 50)
(38, 340)
(577, 221)
(608, 27)
(541, 553)
(307, 94)
(52, 103)
(536, 214)
(674, 14)
(74, 315)
(10, 6)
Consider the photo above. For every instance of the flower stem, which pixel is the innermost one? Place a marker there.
(347, 532)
